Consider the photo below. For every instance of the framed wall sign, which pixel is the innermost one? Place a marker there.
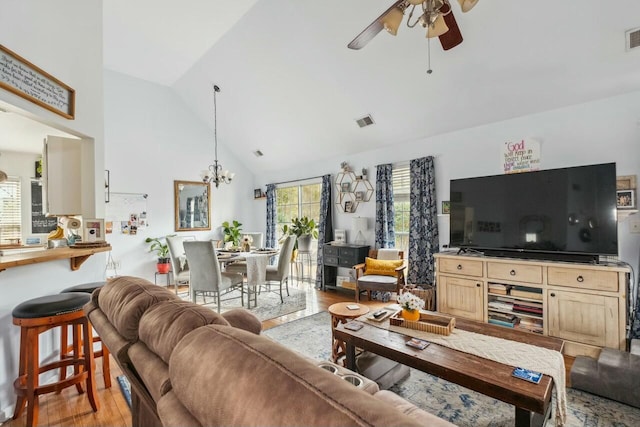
(22, 78)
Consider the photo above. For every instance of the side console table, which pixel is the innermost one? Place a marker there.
(340, 256)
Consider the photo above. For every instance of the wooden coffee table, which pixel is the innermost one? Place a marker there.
(532, 401)
(340, 314)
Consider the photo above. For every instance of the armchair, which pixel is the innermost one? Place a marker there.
(383, 270)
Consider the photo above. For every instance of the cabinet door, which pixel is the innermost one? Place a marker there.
(585, 318)
(62, 175)
(461, 297)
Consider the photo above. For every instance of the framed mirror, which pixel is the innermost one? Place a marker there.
(192, 205)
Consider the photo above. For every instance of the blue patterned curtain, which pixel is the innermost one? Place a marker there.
(325, 226)
(385, 234)
(423, 221)
(271, 216)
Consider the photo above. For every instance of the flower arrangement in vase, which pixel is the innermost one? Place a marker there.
(411, 306)
(246, 243)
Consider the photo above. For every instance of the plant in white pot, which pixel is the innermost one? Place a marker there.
(304, 229)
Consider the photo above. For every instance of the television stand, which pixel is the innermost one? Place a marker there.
(584, 304)
(544, 256)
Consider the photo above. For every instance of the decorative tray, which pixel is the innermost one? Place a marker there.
(429, 322)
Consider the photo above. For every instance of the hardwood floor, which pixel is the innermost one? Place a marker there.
(72, 409)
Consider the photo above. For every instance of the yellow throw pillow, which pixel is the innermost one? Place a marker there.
(381, 267)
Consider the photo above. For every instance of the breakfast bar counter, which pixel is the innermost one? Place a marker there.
(76, 256)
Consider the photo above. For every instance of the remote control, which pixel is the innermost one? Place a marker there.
(379, 314)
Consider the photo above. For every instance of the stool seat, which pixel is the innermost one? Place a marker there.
(86, 288)
(50, 305)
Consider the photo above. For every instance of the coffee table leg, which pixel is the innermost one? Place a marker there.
(526, 418)
(350, 356)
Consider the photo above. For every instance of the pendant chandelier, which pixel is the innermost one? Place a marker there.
(216, 173)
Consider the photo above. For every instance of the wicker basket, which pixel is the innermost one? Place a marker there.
(429, 322)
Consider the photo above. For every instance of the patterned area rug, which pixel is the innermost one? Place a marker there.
(269, 305)
(312, 336)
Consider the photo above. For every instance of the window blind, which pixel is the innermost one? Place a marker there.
(10, 211)
(401, 182)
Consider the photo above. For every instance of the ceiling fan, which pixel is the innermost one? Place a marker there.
(435, 15)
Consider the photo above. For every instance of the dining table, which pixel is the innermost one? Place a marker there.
(256, 262)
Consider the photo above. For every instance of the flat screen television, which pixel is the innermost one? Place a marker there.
(565, 214)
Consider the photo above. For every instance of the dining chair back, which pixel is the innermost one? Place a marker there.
(179, 266)
(206, 275)
(280, 272)
(258, 238)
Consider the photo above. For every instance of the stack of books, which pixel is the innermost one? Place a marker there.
(526, 292)
(531, 325)
(497, 288)
(501, 305)
(528, 307)
(503, 319)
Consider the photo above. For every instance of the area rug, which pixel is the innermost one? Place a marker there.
(269, 305)
(311, 336)
(125, 388)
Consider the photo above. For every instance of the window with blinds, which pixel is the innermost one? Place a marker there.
(295, 202)
(401, 189)
(10, 211)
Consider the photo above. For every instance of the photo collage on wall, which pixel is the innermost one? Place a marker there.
(136, 221)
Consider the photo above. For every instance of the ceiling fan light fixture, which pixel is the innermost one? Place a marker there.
(392, 20)
(467, 5)
(438, 28)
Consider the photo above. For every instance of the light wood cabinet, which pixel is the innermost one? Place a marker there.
(461, 297)
(583, 304)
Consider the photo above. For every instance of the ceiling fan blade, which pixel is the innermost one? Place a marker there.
(453, 37)
(372, 30)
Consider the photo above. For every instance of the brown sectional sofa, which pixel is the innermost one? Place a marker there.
(189, 365)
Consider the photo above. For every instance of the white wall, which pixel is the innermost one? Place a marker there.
(152, 140)
(63, 38)
(596, 132)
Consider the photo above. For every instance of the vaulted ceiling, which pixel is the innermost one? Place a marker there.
(290, 85)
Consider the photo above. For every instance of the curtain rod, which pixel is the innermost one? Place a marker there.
(297, 180)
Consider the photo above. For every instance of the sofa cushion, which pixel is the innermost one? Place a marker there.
(125, 299)
(243, 319)
(166, 323)
(381, 267)
(252, 377)
(173, 413)
(152, 371)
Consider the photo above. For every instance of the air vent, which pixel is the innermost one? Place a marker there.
(258, 153)
(633, 38)
(365, 121)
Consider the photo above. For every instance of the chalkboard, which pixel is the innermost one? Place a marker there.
(19, 76)
(39, 222)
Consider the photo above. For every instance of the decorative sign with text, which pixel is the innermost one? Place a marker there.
(19, 76)
(521, 156)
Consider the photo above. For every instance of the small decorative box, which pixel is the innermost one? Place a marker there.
(429, 322)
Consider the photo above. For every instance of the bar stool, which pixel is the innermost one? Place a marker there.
(34, 317)
(65, 348)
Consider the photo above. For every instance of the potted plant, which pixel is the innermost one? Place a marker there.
(304, 229)
(162, 250)
(232, 232)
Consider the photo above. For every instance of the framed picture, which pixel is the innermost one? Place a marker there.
(348, 206)
(446, 207)
(345, 187)
(257, 193)
(359, 196)
(340, 237)
(93, 230)
(626, 182)
(626, 199)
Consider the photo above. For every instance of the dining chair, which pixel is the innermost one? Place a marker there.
(257, 237)
(383, 270)
(206, 275)
(179, 266)
(280, 272)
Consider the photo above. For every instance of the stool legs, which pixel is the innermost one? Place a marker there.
(27, 385)
(65, 348)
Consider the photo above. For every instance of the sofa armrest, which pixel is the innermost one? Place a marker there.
(243, 319)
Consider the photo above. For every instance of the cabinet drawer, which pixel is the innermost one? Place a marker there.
(586, 279)
(460, 266)
(346, 262)
(330, 250)
(350, 253)
(331, 260)
(515, 272)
